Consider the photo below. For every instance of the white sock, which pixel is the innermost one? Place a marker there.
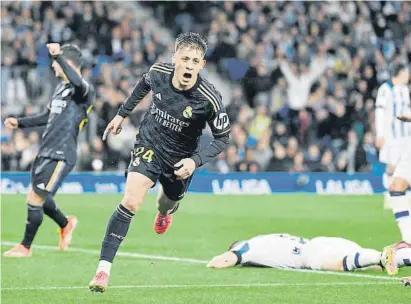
(104, 266)
(386, 180)
(403, 257)
(387, 200)
(402, 213)
(364, 258)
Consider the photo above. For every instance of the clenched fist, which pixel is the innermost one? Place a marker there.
(11, 123)
(54, 48)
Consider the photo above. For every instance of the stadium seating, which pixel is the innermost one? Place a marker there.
(330, 128)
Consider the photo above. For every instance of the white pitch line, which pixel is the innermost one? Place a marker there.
(348, 274)
(205, 286)
(196, 261)
(124, 254)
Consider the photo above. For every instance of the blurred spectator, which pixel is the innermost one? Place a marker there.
(232, 157)
(292, 147)
(84, 158)
(263, 152)
(260, 123)
(300, 79)
(327, 164)
(248, 164)
(279, 162)
(313, 157)
(298, 164)
(302, 75)
(341, 165)
(357, 160)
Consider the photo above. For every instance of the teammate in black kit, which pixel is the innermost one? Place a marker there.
(65, 116)
(166, 148)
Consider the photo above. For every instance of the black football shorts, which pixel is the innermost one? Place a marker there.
(47, 175)
(145, 161)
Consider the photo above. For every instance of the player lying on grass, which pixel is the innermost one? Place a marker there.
(65, 116)
(320, 253)
(167, 145)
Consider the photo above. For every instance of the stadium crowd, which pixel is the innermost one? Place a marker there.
(303, 75)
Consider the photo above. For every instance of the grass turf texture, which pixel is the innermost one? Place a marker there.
(203, 227)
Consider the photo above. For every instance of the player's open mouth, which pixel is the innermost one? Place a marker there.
(187, 76)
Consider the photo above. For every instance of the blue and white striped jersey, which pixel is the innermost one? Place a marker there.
(393, 100)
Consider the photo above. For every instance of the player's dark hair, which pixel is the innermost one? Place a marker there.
(73, 53)
(397, 68)
(191, 40)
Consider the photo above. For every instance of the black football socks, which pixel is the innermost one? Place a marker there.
(50, 208)
(34, 219)
(116, 232)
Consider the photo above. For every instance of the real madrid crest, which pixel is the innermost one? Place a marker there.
(136, 162)
(188, 112)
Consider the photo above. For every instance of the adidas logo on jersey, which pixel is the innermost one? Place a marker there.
(158, 95)
(41, 186)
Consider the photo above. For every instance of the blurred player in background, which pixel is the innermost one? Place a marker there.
(64, 117)
(292, 252)
(166, 148)
(393, 140)
(392, 135)
(399, 185)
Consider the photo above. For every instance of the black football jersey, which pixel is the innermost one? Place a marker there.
(175, 121)
(68, 115)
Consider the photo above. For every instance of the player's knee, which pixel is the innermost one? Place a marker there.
(171, 196)
(398, 184)
(132, 203)
(34, 198)
(162, 198)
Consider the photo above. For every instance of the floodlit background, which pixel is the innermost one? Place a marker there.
(322, 123)
(316, 132)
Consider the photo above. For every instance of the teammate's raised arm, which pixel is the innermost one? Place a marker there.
(69, 60)
(65, 116)
(141, 89)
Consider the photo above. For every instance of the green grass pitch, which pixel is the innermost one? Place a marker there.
(203, 227)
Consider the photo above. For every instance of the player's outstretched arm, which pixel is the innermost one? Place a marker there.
(406, 118)
(140, 91)
(114, 127)
(318, 67)
(286, 70)
(29, 121)
(225, 260)
(81, 86)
